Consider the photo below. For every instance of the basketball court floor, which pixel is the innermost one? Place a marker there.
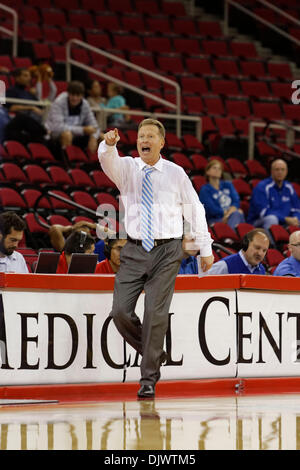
(237, 422)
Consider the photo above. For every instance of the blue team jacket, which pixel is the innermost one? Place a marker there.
(267, 198)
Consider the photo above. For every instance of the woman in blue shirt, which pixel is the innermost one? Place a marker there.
(220, 199)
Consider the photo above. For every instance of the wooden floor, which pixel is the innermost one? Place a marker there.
(250, 422)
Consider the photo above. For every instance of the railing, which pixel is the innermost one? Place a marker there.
(13, 33)
(290, 135)
(70, 61)
(103, 114)
(261, 20)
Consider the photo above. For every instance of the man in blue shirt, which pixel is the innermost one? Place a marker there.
(291, 265)
(249, 259)
(274, 200)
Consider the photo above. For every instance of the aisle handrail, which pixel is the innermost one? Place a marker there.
(70, 61)
(13, 33)
(259, 18)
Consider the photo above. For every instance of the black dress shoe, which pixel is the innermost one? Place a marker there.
(146, 391)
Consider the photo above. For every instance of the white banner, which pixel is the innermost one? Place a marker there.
(64, 337)
(68, 337)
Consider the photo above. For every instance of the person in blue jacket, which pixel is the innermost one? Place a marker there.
(220, 198)
(189, 266)
(291, 266)
(248, 260)
(274, 200)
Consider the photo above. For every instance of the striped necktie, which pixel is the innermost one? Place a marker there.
(147, 210)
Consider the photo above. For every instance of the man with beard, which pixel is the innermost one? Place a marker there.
(11, 233)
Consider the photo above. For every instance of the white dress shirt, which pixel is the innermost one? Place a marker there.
(15, 263)
(174, 198)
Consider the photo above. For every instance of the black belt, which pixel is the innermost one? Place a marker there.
(159, 241)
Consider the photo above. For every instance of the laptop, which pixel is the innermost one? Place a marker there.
(82, 263)
(47, 262)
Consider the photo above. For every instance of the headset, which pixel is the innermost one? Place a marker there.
(82, 240)
(248, 237)
(108, 245)
(245, 242)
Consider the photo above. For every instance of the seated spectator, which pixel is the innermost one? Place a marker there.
(220, 199)
(58, 234)
(116, 100)
(27, 125)
(112, 251)
(249, 259)
(94, 91)
(189, 266)
(41, 74)
(291, 265)
(77, 242)
(274, 200)
(71, 120)
(11, 233)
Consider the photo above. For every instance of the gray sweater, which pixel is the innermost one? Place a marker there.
(58, 119)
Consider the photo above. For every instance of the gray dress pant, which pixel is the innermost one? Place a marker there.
(155, 273)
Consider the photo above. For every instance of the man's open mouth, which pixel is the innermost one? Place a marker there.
(145, 149)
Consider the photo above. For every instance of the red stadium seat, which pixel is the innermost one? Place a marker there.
(130, 23)
(273, 257)
(105, 198)
(227, 67)
(184, 26)
(37, 175)
(158, 44)
(236, 167)
(215, 48)
(225, 87)
(156, 24)
(81, 178)
(40, 152)
(31, 196)
(192, 143)
(13, 173)
(186, 45)
(75, 154)
(243, 228)
(182, 160)
(242, 187)
(59, 176)
(101, 180)
(255, 169)
(280, 70)
(209, 28)
(244, 50)
(279, 233)
(10, 199)
(198, 181)
(33, 225)
(255, 88)
(58, 219)
(16, 150)
(253, 68)
(84, 199)
(224, 233)
(199, 162)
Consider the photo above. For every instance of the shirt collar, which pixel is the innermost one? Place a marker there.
(11, 257)
(158, 165)
(249, 266)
